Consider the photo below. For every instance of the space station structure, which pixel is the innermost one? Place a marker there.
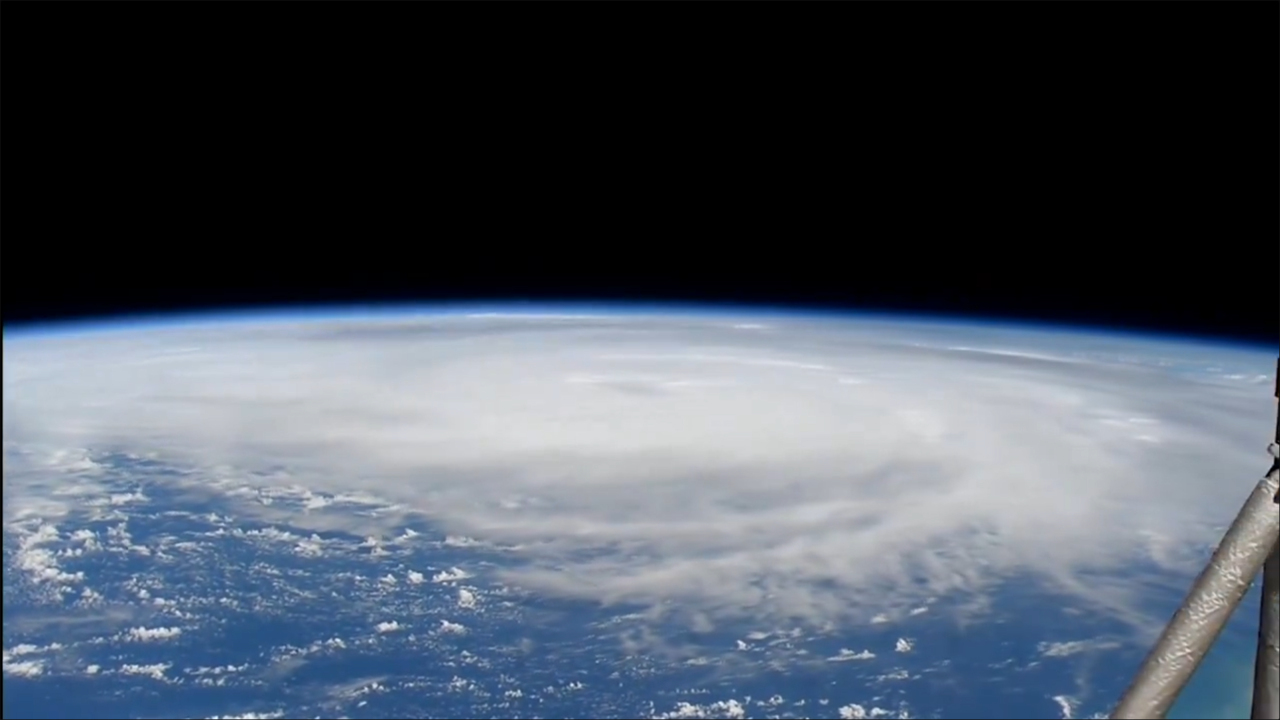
(1251, 545)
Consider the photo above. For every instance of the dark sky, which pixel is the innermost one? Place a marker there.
(1041, 164)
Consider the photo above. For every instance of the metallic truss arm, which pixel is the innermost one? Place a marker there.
(1252, 542)
(1266, 668)
(1214, 596)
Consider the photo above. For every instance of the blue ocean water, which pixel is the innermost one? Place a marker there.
(255, 601)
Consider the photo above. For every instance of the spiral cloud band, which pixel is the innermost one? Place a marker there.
(775, 470)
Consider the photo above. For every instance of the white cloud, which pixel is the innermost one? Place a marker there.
(458, 684)
(738, 477)
(142, 634)
(24, 668)
(903, 645)
(416, 578)
(217, 670)
(450, 575)
(22, 649)
(454, 628)
(30, 667)
(39, 562)
(722, 709)
(387, 626)
(311, 547)
(128, 498)
(1074, 647)
(466, 598)
(155, 671)
(854, 711)
(846, 654)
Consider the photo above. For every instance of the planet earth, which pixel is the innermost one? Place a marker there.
(613, 511)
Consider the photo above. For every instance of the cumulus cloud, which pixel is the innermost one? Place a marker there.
(13, 665)
(847, 654)
(693, 466)
(450, 575)
(155, 671)
(24, 668)
(144, 634)
(731, 709)
(854, 711)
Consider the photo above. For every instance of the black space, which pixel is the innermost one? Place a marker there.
(1105, 165)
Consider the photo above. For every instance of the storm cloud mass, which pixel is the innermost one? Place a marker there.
(776, 470)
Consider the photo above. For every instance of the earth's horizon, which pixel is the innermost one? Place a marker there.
(613, 511)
